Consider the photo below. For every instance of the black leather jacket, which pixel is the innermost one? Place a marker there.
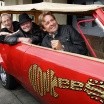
(36, 35)
(68, 37)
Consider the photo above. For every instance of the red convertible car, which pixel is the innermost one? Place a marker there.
(55, 77)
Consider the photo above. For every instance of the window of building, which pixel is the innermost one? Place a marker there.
(2, 3)
(37, 1)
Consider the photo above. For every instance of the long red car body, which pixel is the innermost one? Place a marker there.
(55, 77)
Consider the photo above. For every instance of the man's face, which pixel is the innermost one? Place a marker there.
(26, 26)
(6, 22)
(50, 24)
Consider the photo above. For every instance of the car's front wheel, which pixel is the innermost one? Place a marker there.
(7, 80)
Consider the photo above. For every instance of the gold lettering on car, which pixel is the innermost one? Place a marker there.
(95, 89)
(45, 82)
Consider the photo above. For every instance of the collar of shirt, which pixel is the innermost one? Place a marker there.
(53, 34)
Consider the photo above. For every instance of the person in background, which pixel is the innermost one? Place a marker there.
(61, 37)
(9, 26)
(29, 32)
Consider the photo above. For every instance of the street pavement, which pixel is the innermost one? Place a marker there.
(18, 96)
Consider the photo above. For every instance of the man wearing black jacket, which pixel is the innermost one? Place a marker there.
(61, 37)
(29, 32)
(9, 26)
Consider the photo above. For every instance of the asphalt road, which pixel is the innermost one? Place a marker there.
(18, 96)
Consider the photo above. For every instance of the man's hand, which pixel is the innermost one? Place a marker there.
(56, 45)
(22, 39)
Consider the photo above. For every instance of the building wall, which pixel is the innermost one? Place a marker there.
(63, 18)
(19, 1)
(59, 1)
(2, 3)
(16, 2)
(47, 0)
(27, 1)
(10, 2)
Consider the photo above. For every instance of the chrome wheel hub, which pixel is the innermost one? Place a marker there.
(3, 75)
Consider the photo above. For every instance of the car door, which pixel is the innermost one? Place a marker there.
(13, 56)
(58, 77)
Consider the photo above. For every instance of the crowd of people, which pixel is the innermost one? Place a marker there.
(48, 33)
